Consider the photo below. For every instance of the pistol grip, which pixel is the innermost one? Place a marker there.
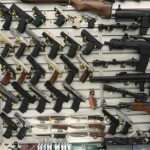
(58, 104)
(8, 133)
(21, 50)
(6, 50)
(54, 77)
(22, 77)
(76, 104)
(53, 52)
(5, 80)
(22, 132)
(126, 128)
(35, 79)
(22, 25)
(60, 21)
(113, 128)
(72, 51)
(7, 24)
(70, 76)
(24, 105)
(36, 50)
(85, 75)
(41, 106)
(88, 49)
(8, 106)
(91, 23)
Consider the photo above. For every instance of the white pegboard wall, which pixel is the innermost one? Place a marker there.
(141, 119)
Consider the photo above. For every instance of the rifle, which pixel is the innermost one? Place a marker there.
(138, 96)
(10, 98)
(24, 18)
(137, 78)
(24, 127)
(140, 16)
(134, 106)
(26, 97)
(88, 69)
(54, 43)
(60, 97)
(100, 8)
(124, 27)
(24, 70)
(9, 124)
(78, 98)
(8, 71)
(42, 97)
(133, 42)
(72, 69)
(39, 17)
(131, 62)
(5, 13)
(91, 42)
(39, 70)
(72, 44)
(39, 43)
(9, 45)
(114, 123)
(57, 70)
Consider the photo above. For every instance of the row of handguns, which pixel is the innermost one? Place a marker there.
(139, 16)
(91, 125)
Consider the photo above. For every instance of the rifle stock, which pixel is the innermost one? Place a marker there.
(100, 8)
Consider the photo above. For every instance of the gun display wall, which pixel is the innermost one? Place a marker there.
(73, 79)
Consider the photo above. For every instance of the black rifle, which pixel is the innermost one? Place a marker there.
(78, 98)
(25, 96)
(23, 128)
(9, 124)
(124, 27)
(60, 97)
(42, 97)
(73, 45)
(39, 17)
(6, 15)
(55, 45)
(24, 18)
(131, 62)
(113, 124)
(72, 69)
(91, 42)
(39, 71)
(138, 96)
(10, 98)
(131, 42)
(137, 78)
(141, 16)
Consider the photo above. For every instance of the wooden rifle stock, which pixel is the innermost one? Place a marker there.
(99, 7)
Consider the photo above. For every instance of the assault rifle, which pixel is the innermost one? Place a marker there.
(54, 44)
(60, 97)
(7, 70)
(140, 16)
(39, 17)
(39, 70)
(25, 96)
(10, 99)
(72, 69)
(71, 43)
(91, 42)
(101, 8)
(78, 98)
(5, 13)
(9, 124)
(137, 78)
(140, 44)
(131, 62)
(138, 96)
(134, 106)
